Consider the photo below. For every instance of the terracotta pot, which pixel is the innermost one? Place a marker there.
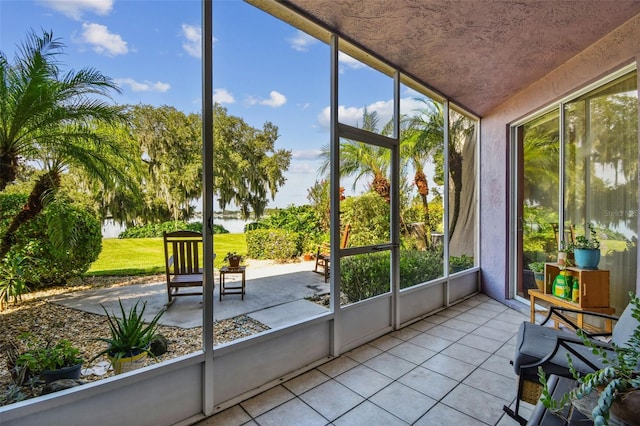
(234, 262)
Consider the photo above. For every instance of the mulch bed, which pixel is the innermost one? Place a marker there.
(50, 322)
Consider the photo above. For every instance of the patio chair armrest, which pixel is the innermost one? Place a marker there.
(569, 345)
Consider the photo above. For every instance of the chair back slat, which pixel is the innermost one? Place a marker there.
(182, 252)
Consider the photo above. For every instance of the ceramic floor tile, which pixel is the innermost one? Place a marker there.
(363, 353)
(424, 325)
(510, 326)
(449, 313)
(390, 365)
(446, 332)
(442, 415)
(507, 350)
(493, 333)
(492, 383)
(499, 364)
(386, 342)
(483, 312)
(337, 366)
(476, 403)
(405, 333)
(364, 380)
(438, 318)
(459, 324)
(412, 353)
(367, 414)
(472, 302)
(306, 381)
(267, 400)
(429, 341)
(482, 343)
(331, 399)
(448, 366)
(475, 319)
(234, 416)
(428, 382)
(459, 307)
(295, 412)
(495, 306)
(466, 353)
(403, 402)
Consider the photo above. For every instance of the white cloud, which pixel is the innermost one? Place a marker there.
(353, 115)
(309, 154)
(301, 41)
(74, 9)
(102, 40)
(347, 60)
(145, 86)
(193, 40)
(275, 100)
(222, 96)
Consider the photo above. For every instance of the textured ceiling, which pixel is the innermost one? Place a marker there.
(476, 52)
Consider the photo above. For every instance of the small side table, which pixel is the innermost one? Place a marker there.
(232, 289)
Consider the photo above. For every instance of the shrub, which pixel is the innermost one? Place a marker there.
(272, 244)
(365, 276)
(302, 220)
(78, 229)
(369, 216)
(155, 230)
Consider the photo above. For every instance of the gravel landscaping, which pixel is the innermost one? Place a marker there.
(52, 322)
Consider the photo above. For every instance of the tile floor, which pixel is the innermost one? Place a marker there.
(451, 368)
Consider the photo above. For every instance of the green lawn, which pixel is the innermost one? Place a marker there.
(144, 256)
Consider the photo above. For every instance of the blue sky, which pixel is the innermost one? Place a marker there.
(264, 70)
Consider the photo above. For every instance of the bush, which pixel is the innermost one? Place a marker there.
(272, 244)
(302, 220)
(365, 276)
(81, 232)
(369, 216)
(155, 230)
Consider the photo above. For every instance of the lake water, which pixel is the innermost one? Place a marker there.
(234, 226)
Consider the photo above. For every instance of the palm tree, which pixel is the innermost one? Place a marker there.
(360, 159)
(56, 119)
(424, 140)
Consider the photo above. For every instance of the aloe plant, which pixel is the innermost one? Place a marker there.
(129, 333)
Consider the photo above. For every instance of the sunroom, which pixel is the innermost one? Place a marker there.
(540, 102)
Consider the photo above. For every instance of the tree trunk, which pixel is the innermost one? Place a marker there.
(31, 209)
(8, 169)
(423, 189)
(455, 170)
(382, 187)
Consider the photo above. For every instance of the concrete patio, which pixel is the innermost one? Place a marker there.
(275, 296)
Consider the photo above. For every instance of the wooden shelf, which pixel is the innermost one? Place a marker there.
(593, 284)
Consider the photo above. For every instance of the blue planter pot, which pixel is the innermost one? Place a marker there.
(587, 258)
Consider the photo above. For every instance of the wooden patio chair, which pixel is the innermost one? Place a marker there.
(323, 256)
(182, 250)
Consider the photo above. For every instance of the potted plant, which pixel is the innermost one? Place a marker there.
(565, 254)
(617, 384)
(538, 273)
(233, 258)
(587, 250)
(50, 362)
(130, 339)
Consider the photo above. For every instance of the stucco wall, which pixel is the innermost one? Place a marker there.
(617, 49)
